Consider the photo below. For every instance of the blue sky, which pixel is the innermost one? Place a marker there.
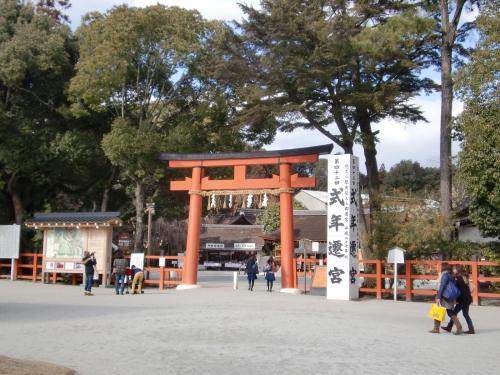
(398, 141)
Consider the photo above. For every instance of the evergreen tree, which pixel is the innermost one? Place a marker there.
(309, 64)
(479, 124)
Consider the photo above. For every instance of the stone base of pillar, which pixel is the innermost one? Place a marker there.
(291, 291)
(187, 286)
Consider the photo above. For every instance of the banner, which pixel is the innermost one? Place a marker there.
(342, 230)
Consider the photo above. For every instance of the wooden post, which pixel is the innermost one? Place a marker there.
(379, 278)
(190, 272)
(295, 272)
(14, 268)
(54, 277)
(162, 277)
(409, 284)
(475, 280)
(35, 267)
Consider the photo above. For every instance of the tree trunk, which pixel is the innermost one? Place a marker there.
(370, 152)
(17, 203)
(107, 189)
(445, 133)
(139, 215)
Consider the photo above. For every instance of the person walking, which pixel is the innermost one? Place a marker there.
(446, 299)
(464, 300)
(252, 270)
(270, 270)
(89, 262)
(137, 278)
(119, 269)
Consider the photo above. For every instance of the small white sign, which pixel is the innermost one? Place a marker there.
(162, 262)
(315, 247)
(396, 255)
(214, 245)
(212, 264)
(137, 259)
(244, 246)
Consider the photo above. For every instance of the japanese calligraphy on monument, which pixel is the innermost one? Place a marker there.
(342, 222)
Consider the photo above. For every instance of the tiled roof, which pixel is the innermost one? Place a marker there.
(305, 227)
(74, 218)
(320, 150)
(319, 195)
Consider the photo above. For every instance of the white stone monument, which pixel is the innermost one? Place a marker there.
(343, 228)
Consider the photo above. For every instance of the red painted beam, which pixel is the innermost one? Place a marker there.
(233, 162)
(247, 184)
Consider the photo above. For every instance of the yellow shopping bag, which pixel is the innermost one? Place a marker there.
(437, 312)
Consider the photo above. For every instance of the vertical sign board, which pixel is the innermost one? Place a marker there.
(342, 228)
(9, 241)
(10, 236)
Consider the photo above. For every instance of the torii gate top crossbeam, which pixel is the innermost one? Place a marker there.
(252, 158)
(240, 161)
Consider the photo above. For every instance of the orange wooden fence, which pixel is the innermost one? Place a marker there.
(378, 271)
(26, 261)
(168, 276)
(426, 270)
(299, 270)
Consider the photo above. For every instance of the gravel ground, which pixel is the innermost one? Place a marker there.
(216, 330)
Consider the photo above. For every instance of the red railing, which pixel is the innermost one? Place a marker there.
(428, 270)
(168, 276)
(26, 261)
(302, 272)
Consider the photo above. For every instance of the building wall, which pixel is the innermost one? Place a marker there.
(310, 202)
(471, 233)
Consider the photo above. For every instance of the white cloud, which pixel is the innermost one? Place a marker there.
(227, 10)
(81, 7)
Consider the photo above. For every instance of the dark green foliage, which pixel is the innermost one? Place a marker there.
(479, 124)
(411, 177)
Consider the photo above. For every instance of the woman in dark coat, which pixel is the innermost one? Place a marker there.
(446, 277)
(270, 270)
(252, 270)
(464, 300)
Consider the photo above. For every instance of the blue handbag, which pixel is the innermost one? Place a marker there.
(451, 292)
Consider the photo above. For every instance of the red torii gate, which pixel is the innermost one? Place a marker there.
(284, 183)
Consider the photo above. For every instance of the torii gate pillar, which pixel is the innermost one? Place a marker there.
(286, 232)
(190, 268)
(284, 184)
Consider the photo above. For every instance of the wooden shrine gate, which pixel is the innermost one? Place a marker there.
(282, 184)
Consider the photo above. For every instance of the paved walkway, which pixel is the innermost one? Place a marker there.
(216, 330)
